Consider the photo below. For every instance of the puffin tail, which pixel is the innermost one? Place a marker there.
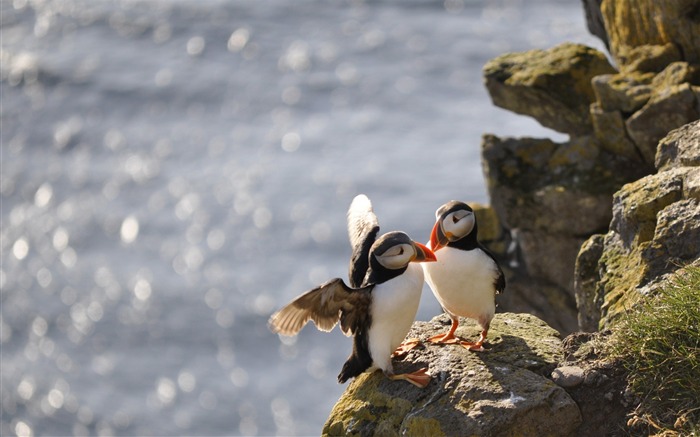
(359, 361)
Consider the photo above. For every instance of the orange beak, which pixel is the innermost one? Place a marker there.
(438, 239)
(423, 254)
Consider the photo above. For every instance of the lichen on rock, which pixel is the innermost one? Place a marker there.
(553, 86)
(655, 229)
(502, 391)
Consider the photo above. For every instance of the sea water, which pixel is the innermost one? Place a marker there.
(175, 171)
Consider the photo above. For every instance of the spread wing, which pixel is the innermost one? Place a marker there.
(363, 228)
(325, 305)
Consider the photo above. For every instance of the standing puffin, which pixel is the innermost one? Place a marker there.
(466, 277)
(380, 305)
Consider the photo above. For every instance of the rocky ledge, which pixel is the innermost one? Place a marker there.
(505, 390)
(528, 382)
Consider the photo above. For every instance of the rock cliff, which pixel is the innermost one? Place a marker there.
(551, 197)
(655, 229)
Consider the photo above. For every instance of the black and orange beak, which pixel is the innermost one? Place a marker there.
(438, 239)
(423, 254)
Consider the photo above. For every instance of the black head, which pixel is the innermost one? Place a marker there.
(455, 226)
(390, 255)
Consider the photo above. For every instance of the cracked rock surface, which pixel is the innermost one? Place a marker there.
(502, 391)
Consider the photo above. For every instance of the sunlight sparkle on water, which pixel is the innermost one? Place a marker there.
(129, 229)
(20, 249)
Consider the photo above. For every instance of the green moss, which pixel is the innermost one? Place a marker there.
(624, 272)
(364, 409)
(421, 426)
(659, 344)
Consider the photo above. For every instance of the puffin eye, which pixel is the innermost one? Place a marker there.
(459, 215)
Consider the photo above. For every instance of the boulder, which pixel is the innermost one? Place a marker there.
(586, 278)
(667, 109)
(632, 23)
(622, 92)
(553, 86)
(502, 391)
(655, 229)
(551, 197)
(635, 206)
(565, 188)
(680, 149)
(609, 129)
(648, 58)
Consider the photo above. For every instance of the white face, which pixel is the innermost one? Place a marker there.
(397, 257)
(458, 224)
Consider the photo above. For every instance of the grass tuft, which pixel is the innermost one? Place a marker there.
(658, 342)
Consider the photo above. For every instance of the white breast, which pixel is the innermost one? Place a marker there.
(394, 307)
(463, 282)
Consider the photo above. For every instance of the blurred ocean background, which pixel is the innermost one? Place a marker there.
(174, 171)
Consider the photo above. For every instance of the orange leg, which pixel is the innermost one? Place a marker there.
(406, 346)
(448, 337)
(419, 378)
(479, 345)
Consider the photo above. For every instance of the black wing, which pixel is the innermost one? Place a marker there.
(363, 228)
(500, 282)
(325, 305)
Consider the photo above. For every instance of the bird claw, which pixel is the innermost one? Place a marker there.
(406, 346)
(474, 347)
(444, 339)
(420, 378)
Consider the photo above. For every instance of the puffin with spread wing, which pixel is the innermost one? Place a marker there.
(379, 306)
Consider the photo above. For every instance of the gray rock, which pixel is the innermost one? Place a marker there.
(497, 392)
(622, 92)
(566, 189)
(676, 238)
(668, 109)
(568, 376)
(553, 86)
(650, 58)
(655, 229)
(631, 24)
(676, 73)
(609, 129)
(550, 256)
(680, 148)
(635, 206)
(586, 277)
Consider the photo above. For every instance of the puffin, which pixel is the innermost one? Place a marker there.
(466, 277)
(378, 306)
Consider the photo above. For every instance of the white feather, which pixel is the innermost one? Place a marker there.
(463, 282)
(361, 218)
(394, 307)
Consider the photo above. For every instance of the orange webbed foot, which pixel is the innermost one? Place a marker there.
(405, 347)
(420, 378)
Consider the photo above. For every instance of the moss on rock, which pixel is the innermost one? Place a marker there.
(654, 230)
(501, 391)
(553, 86)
